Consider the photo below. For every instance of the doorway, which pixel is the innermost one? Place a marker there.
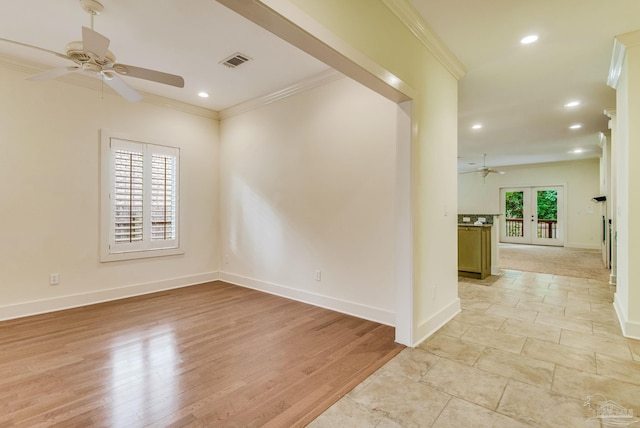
(532, 215)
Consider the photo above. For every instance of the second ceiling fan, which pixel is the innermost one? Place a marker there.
(484, 170)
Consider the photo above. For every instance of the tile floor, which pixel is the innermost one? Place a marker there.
(526, 350)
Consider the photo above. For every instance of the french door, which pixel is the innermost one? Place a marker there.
(532, 215)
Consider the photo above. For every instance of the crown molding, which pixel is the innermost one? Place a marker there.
(412, 19)
(314, 81)
(620, 44)
(615, 68)
(77, 79)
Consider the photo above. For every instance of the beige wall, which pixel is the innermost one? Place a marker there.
(307, 184)
(373, 30)
(580, 178)
(49, 182)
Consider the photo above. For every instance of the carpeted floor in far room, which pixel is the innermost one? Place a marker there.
(575, 262)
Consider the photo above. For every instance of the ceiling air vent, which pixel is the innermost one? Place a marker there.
(235, 60)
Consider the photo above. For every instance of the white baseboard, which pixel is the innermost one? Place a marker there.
(20, 310)
(629, 329)
(433, 324)
(350, 308)
(612, 279)
(495, 270)
(582, 246)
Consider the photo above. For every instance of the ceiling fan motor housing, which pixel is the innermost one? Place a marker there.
(92, 7)
(77, 54)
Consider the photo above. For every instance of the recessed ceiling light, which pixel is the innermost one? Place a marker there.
(576, 126)
(477, 126)
(203, 95)
(572, 104)
(529, 39)
(577, 151)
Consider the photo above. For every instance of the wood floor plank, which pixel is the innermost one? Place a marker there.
(208, 355)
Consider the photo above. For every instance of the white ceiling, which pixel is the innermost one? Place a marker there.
(188, 38)
(517, 92)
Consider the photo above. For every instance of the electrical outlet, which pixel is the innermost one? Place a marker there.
(227, 259)
(318, 275)
(466, 219)
(482, 219)
(54, 279)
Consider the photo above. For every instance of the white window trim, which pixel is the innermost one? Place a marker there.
(106, 179)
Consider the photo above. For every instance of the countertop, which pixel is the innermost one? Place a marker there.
(473, 225)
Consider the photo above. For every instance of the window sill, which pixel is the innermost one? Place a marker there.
(143, 254)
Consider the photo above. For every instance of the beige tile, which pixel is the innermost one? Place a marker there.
(384, 423)
(412, 363)
(344, 413)
(468, 383)
(600, 344)
(409, 403)
(588, 298)
(528, 329)
(541, 307)
(597, 283)
(479, 318)
(523, 296)
(634, 346)
(560, 354)
(459, 413)
(564, 323)
(514, 313)
(588, 314)
(615, 368)
(454, 328)
(604, 294)
(490, 295)
(515, 366)
(603, 306)
(494, 338)
(474, 305)
(565, 301)
(542, 408)
(579, 385)
(453, 349)
(560, 280)
(610, 330)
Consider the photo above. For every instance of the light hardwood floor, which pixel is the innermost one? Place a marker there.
(208, 355)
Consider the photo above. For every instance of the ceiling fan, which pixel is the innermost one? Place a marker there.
(92, 55)
(484, 170)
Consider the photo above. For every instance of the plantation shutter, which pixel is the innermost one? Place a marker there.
(128, 196)
(163, 197)
(140, 199)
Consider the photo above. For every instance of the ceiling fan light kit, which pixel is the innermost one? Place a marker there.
(92, 55)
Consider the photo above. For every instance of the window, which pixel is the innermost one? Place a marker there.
(140, 209)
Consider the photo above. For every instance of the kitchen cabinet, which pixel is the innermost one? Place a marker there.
(474, 251)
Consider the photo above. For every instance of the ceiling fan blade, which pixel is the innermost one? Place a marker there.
(146, 74)
(52, 74)
(95, 42)
(121, 87)
(34, 47)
